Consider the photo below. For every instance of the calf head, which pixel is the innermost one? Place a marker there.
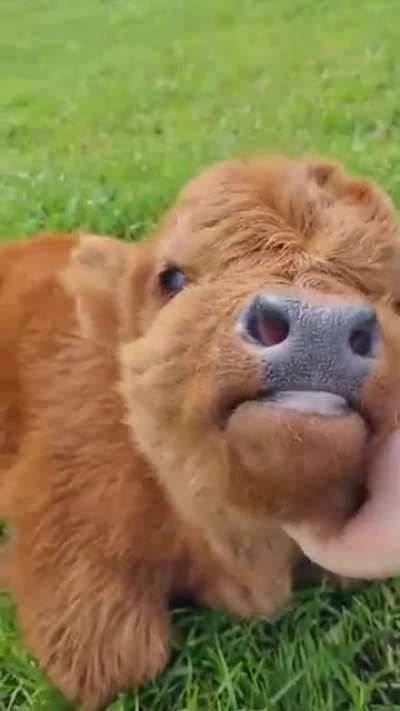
(257, 340)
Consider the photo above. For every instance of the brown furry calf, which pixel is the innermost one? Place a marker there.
(167, 408)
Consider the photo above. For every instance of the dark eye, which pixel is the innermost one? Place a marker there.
(172, 280)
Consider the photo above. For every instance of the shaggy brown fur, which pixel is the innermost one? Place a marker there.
(134, 465)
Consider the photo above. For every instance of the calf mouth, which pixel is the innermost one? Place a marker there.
(302, 402)
(312, 402)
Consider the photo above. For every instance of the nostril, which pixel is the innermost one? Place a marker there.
(267, 327)
(361, 342)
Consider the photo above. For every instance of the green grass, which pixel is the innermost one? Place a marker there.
(106, 108)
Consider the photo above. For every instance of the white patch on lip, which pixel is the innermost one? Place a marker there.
(316, 402)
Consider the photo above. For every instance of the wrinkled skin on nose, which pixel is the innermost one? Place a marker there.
(311, 347)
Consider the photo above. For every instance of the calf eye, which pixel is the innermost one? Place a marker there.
(172, 280)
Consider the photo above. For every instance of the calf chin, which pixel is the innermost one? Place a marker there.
(306, 441)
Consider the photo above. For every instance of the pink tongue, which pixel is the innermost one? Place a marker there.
(369, 545)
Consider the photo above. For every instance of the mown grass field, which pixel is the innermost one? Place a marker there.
(106, 108)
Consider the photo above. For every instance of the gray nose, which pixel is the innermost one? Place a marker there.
(306, 346)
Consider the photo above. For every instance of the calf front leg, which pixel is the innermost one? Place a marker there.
(94, 630)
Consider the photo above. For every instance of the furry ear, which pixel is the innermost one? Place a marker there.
(93, 278)
(396, 270)
(365, 195)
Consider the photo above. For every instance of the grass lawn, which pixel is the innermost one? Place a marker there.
(106, 108)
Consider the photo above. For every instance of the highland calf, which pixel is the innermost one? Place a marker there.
(170, 409)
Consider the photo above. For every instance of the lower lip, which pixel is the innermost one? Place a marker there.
(311, 402)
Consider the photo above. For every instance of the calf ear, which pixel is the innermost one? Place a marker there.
(93, 278)
(374, 205)
(396, 269)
